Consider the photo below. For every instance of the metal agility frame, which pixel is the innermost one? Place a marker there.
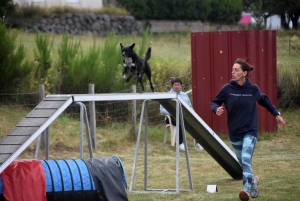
(179, 118)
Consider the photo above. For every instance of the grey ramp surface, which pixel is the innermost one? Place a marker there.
(27, 130)
(206, 137)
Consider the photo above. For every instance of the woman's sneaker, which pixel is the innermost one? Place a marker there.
(181, 147)
(244, 195)
(254, 187)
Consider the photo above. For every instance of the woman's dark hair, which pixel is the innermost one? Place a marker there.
(176, 80)
(244, 65)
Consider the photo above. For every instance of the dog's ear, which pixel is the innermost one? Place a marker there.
(121, 45)
(132, 46)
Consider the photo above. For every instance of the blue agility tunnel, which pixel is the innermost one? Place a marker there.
(83, 180)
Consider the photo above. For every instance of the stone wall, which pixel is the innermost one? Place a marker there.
(102, 24)
(91, 24)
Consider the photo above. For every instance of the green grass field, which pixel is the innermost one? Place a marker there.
(276, 158)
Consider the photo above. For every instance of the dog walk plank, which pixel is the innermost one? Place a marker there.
(13, 140)
(50, 104)
(22, 131)
(57, 98)
(27, 130)
(35, 122)
(4, 157)
(8, 149)
(41, 113)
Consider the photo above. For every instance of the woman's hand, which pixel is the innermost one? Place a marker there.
(220, 111)
(280, 120)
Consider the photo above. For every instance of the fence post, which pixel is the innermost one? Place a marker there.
(289, 46)
(133, 87)
(92, 117)
(45, 134)
(41, 97)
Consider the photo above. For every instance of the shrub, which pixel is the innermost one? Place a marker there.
(226, 11)
(13, 66)
(109, 78)
(168, 9)
(83, 70)
(100, 66)
(67, 52)
(43, 56)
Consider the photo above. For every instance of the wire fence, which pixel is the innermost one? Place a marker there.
(107, 112)
(293, 47)
(28, 100)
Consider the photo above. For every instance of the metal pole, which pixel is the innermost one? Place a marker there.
(84, 118)
(92, 112)
(289, 46)
(81, 131)
(47, 143)
(177, 147)
(137, 148)
(42, 95)
(133, 87)
(186, 150)
(37, 149)
(179, 118)
(146, 147)
(42, 137)
(88, 134)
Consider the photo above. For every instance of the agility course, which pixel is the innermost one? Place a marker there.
(41, 117)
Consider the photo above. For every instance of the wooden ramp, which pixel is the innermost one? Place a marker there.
(17, 140)
(208, 139)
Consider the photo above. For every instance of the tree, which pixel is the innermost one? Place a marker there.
(7, 8)
(294, 12)
(13, 66)
(226, 11)
(288, 10)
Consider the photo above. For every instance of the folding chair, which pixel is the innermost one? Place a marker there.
(172, 129)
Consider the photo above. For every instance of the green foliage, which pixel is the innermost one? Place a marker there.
(67, 52)
(99, 66)
(43, 56)
(226, 11)
(84, 70)
(144, 43)
(168, 9)
(110, 76)
(13, 66)
(163, 69)
(7, 8)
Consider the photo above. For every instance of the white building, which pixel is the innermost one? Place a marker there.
(273, 22)
(87, 4)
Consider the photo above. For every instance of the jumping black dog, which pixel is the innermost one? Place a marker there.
(136, 65)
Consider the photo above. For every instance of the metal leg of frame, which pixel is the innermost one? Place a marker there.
(146, 147)
(179, 118)
(186, 151)
(137, 148)
(88, 133)
(84, 119)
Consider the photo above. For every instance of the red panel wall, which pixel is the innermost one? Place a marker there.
(213, 55)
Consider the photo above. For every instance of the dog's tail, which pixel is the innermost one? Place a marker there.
(148, 54)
